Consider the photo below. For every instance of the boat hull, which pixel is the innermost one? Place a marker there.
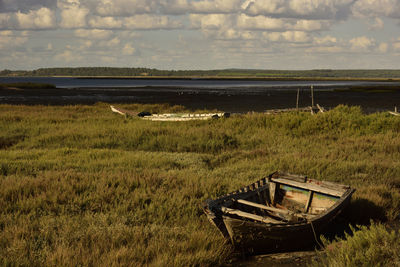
(255, 238)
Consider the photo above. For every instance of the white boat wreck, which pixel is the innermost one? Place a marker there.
(171, 116)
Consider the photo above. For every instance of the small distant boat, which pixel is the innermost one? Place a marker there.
(280, 212)
(171, 116)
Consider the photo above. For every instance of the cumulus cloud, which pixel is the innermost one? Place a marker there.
(128, 50)
(362, 43)
(9, 39)
(93, 34)
(210, 21)
(68, 56)
(308, 9)
(122, 7)
(260, 23)
(148, 22)
(288, 36)
(269, 23)
(24, 6)
(325, 40)
(383, 47)
(42, 18)
(105, 22)
(376, 24)
(73, 15)
(377, 8)
(215, 6)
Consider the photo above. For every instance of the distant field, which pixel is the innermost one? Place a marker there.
(80, 185)
(332, 74)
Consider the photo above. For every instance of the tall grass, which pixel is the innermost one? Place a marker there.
(367, 246)
(80, 185)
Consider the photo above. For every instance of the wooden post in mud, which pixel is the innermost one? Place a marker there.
(312, 95)
(298, 96)
(395, 109)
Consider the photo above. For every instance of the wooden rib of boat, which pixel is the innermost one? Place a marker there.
(279, 212)
(171, 116)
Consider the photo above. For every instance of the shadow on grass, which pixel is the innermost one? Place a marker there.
(360, 212)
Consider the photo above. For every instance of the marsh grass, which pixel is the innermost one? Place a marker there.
(80, 185)
(375, 245)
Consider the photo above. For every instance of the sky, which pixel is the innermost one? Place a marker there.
(200, 34)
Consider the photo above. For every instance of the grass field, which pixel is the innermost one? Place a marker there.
(80, 185)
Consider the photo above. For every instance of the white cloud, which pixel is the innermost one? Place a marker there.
(128, 50)
(396, 44)
(383, 47)
(86, 45)
(149, 22)
(362, 43)
(210, 21)
(311, 25)
(42, 18)
(326, 40)
(288, 36)
(68, 56)
(261, 23)
(25, 6)
(123, 7)
(268, 23)
(376, 24)
(114, 42)
(73, 15)
(215, 6)
(9, 40)
(308, 9)
(105, 22)
(326, 49)
(174, 7)
(93, 34)
(377, 8)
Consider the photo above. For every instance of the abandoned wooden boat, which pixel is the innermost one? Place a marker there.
(279, 212)
(171, 116)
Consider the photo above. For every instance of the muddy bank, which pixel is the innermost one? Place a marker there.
(227, 99)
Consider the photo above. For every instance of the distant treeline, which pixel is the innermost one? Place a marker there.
(106, 71)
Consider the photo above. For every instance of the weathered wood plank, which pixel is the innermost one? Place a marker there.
(313, 187)
(294, 177)
(310, 196)
(321, 109)
(272, 192)
(249, 215)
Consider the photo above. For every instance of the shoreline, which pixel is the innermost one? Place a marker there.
(234, 100)
(216, 78)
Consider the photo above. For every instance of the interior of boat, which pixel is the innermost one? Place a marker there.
(282, 198)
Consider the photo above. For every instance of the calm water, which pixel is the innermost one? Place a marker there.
(224, 95)
(194, 83)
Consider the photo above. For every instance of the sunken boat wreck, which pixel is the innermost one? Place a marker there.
(281, 212)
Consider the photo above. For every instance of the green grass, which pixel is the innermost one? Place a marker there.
(80, 185)
(367, 246)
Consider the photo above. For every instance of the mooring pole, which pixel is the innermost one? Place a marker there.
(395, 109)
(298, 96)
(312, 95)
